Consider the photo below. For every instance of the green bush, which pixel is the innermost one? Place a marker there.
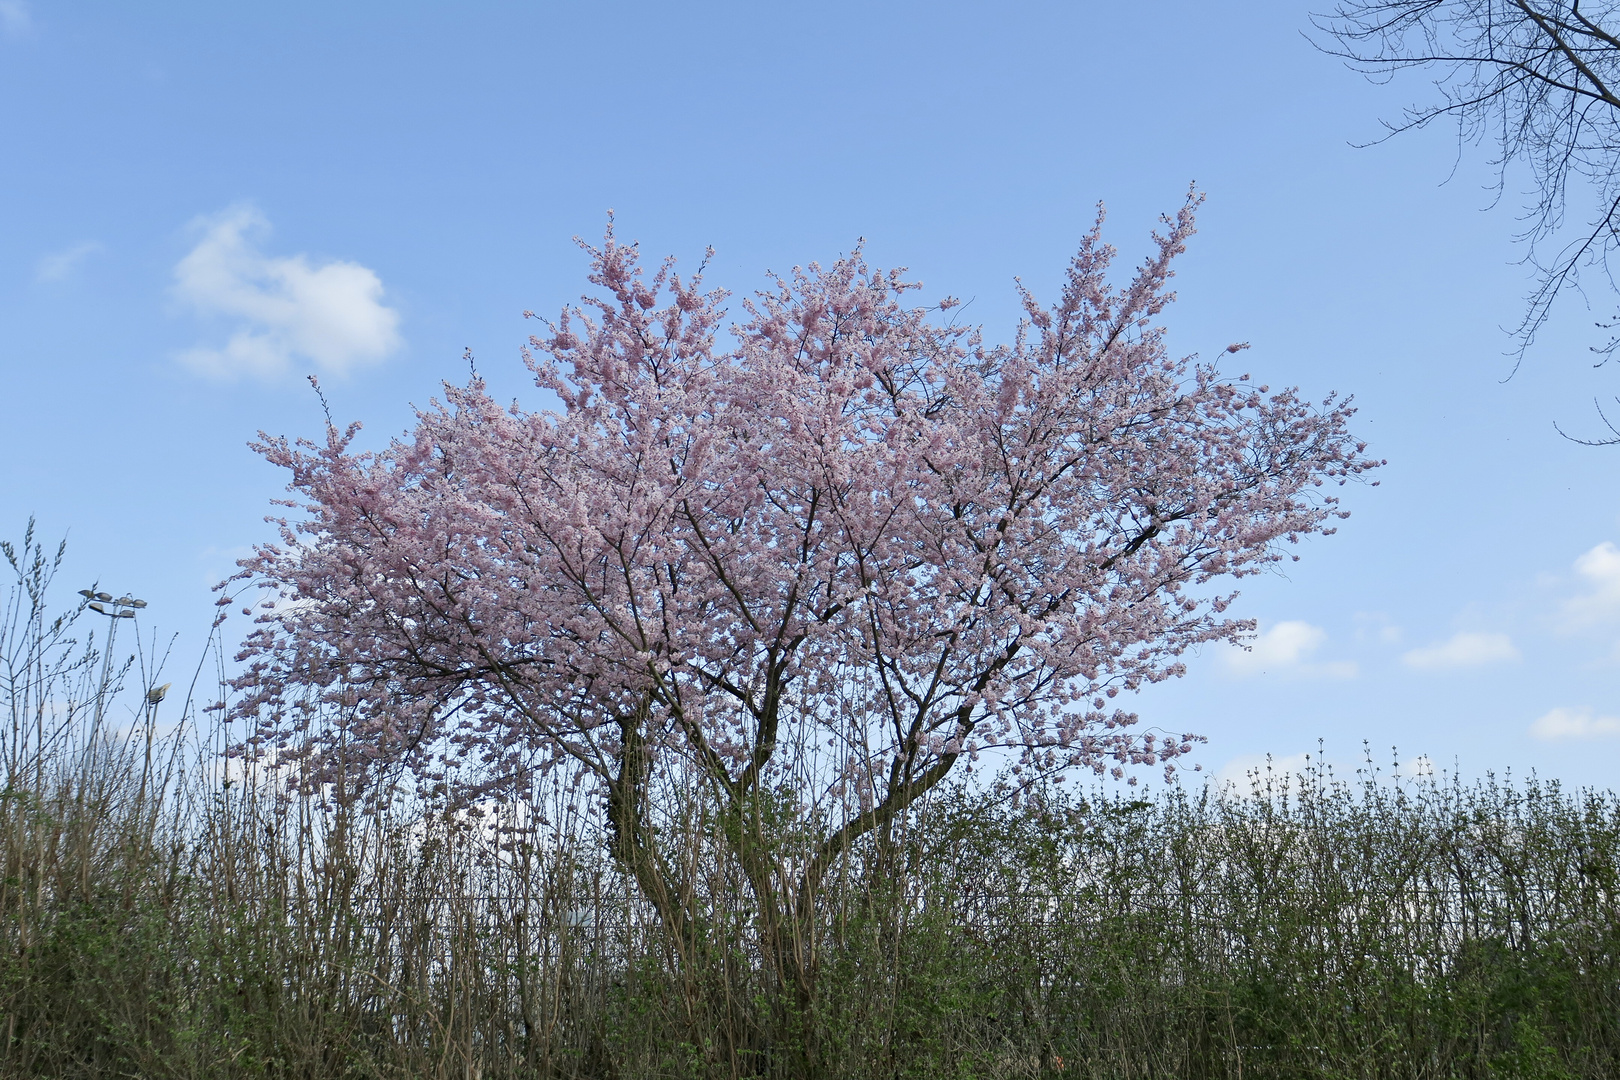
(1424, 930)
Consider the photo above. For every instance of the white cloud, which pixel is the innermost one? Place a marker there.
(1287, 646)
(1293, 769)
(1246, 769)
(1462, 651)
(1420, 766)
(1600, 567)
(14, 17)
(1574, 724)
(1376, 626)
(60, 264)
(331, 313)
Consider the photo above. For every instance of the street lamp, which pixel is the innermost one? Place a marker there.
(153, 697)
(123, 607)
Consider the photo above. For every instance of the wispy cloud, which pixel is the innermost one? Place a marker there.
(1376, 626)
(1287, 647)
(60, 264)
(1568, 724)
(1422, 765)
(287, 308)
(1464, 650)
(14, 18)
(1247, 769)
(1599, 568)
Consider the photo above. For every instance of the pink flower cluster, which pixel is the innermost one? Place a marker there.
(836, 524)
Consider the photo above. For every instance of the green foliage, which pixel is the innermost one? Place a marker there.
(1425, 930)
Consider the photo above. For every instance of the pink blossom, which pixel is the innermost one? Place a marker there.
(839, 520)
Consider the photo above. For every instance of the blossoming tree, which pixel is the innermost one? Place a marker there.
(840, 525)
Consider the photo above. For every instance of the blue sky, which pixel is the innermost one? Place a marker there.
(200, 204)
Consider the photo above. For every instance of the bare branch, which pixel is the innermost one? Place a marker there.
(1539, 79)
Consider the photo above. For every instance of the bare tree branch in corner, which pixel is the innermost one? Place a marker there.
(1537, 77)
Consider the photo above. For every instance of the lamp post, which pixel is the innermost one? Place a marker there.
(123, 607)
(153, 697)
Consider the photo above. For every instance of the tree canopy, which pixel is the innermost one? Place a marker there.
(842, 539)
